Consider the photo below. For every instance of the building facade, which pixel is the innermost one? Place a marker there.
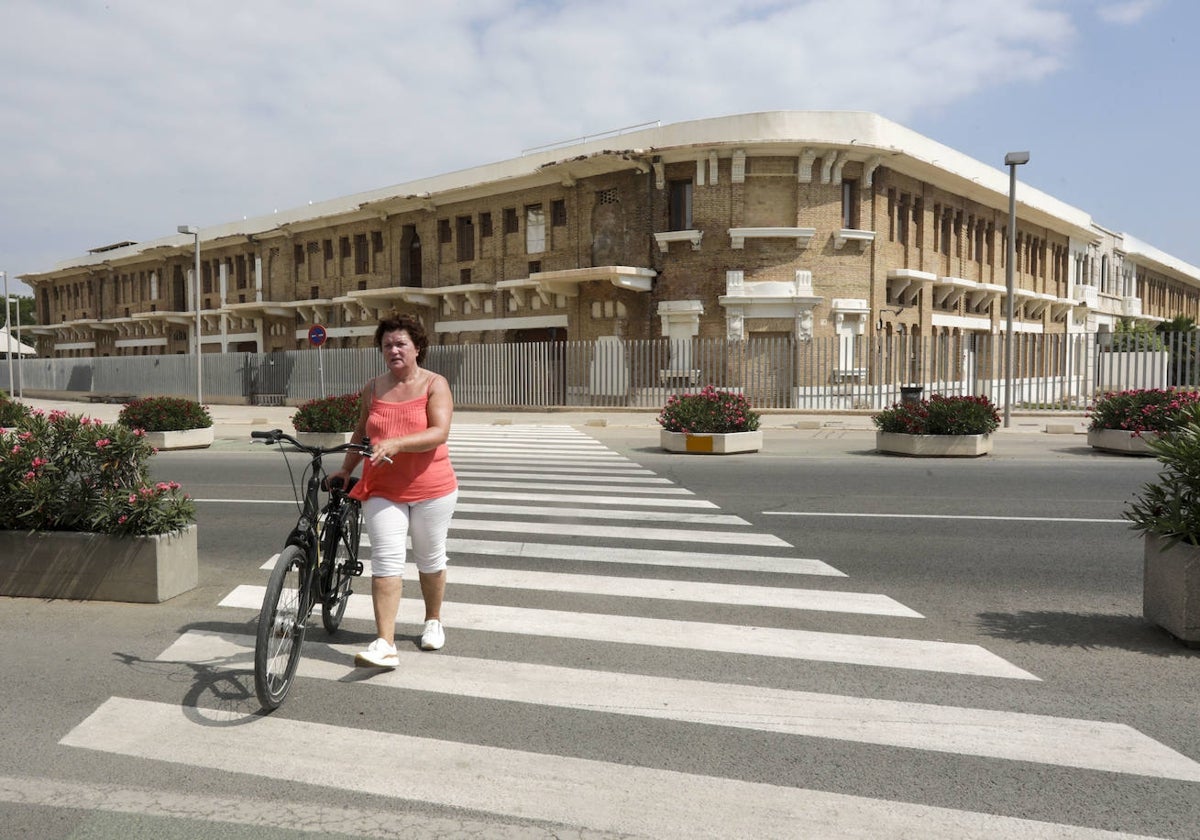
(798, 224)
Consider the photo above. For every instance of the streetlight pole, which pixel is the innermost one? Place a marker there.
(195, 231)
(8, 346)
(1012, 160)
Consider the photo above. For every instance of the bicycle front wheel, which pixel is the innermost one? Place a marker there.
(280, 629)
(339, 553)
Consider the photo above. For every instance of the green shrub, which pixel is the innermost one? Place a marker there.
(60, 472)
(1139, 411)
(940, 415)
(708, 412)
(330, 414)
(164, 414)
(11, 411)
(1170, 506)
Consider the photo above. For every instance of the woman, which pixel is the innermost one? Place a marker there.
(408, 486)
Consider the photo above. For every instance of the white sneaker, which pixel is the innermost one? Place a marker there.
(378, 654)
(434, 636)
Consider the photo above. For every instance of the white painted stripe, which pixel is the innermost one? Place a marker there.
(575, 475)
(618, 532)
(679, 590)
(631, 516)
(531, 444)
(594, 469)
(290, 502)
(591, 500)
(1014, 736)
(635, 555)
(811, 645)
(299, 818)
(610, 459)
(565, 485)
(638, 801)
(946, 516)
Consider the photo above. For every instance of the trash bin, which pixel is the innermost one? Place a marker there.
(910, 394)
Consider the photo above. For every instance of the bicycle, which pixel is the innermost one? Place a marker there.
(316, 566)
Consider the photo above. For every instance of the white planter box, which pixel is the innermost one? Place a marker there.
(1120, 441)
(1171, 589)
(933, 446)
(98, 567)
(324, 440)
(711, 444)
(185, 439)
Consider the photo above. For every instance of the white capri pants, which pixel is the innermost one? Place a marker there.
(389, 524)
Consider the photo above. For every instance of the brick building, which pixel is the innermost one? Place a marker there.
(800, 224)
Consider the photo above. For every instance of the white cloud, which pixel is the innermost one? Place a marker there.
(1124, 13)
(138, 115)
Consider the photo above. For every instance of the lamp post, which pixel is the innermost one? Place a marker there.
(195, 231)
(8, 346)
(1012, 160)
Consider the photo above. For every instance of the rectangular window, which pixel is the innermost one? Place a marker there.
(680, 205)
(903, 216)
(558, 213)
(443, 231)
(314, 292)
(344, 247)
(485, 225)
(328, 249)
(535, 229)
(464, 275)
(850, 194)
(377, 241)
(298, 254)
(240, 270)
(466, 238)
(534, 267)
(511, 224)
(362, 259)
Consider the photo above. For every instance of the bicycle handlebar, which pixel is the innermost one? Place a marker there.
(277, 435)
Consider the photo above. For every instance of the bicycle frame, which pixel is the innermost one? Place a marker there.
(312, 556)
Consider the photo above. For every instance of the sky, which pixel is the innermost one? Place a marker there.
(121, 120)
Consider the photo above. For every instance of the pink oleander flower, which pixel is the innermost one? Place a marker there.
(103, 442)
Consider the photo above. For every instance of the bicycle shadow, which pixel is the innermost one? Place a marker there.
(215, 660)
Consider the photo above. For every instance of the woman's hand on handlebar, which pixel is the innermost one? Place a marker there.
(339, 478)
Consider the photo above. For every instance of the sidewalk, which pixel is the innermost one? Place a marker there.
(234, 422)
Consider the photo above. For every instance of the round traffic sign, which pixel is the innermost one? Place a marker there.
(317, 335)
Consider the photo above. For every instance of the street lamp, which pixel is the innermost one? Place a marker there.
(1012, 160)
(195, 231)
(8, 342)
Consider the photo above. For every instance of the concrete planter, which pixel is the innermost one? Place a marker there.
(324, 440)
(725, 443)
(1171, 589)
(98, 567)
(1120, 441)
(185, 439)
(933, 446)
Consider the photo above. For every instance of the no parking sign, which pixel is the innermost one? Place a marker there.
(316, 337)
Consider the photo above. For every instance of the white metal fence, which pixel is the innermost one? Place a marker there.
(867, 372)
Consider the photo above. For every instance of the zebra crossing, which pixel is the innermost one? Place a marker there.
(535, 499)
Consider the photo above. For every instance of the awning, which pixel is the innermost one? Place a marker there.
(8, 344)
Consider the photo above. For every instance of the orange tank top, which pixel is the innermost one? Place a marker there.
(412, 476)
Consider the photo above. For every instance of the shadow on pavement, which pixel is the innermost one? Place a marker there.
(1087, 631)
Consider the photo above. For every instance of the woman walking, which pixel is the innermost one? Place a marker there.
(408, 487)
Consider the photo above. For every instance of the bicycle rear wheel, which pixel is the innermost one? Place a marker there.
(339, 558)
(280, 629)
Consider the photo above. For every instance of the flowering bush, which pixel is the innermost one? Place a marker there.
(1170, 507)
(61, 472)
(708, 412)
(940, 415)
(1149, 410)
(11, 411)
(331, 414)
(164, 414)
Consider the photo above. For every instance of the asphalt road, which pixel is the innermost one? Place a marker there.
(1021, 554)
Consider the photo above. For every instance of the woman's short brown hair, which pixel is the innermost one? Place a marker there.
(410, 325)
